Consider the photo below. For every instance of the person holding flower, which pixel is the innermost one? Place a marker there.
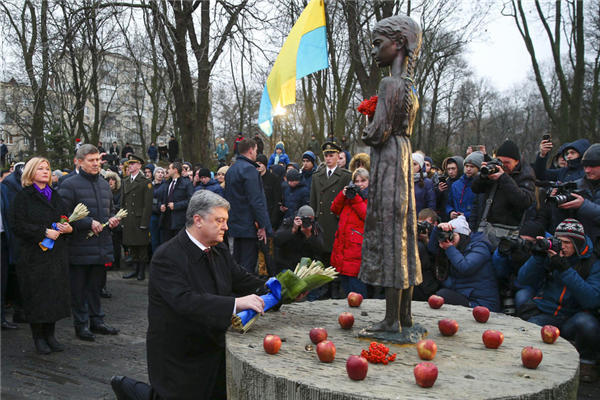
(43, 274)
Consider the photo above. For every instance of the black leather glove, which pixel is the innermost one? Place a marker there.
(559, 263)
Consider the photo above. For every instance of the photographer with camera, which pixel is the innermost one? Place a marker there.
(351, 206)
(506, 189)
(427, 219)
(297, 237)
(453, 169)
(571, 152)
(570, 293)
(460, 198)
(508, 258)
(469, 279)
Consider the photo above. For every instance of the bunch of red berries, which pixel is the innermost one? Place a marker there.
(378, 354)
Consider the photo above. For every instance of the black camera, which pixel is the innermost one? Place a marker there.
(424, 227)
(443, 178)
(490, 168)
(563, 193)
(543, 245)
(507, 245)
(444, 236)
(306, 222)
(352, 190)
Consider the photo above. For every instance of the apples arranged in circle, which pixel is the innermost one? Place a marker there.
(531, 357)
(492, 339)
(357, 367)
(346, 320)
(317, 335)
(448, 327)
(481, 314)
(354, 299)
(435, 301)
(426, 349)
(425, 374)
(272, 344)
(326, 351)
(550, 333)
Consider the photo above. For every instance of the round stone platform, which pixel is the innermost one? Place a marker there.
(467, 370)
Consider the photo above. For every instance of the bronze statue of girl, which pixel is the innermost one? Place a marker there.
(389, 254)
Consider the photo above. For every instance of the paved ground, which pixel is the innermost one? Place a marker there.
(83, 371)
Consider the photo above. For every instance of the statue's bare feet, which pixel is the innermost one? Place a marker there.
(384, 326)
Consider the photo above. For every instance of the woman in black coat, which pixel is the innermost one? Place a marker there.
(43, 275)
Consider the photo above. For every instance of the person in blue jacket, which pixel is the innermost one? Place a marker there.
(570, 295)
(208, 183)
(571, 152)
(461, 197)
(295, 194)
(279, 156)
(470, 277)
(424, 193)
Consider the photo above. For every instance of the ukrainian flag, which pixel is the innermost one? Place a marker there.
(304, 52)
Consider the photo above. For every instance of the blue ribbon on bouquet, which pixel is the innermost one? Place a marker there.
(271, 299)
(47, 243)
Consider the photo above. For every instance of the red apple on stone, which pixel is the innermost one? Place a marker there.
(531, 357)
(317, 335)
(492, 339)
(357, 367)
(426, 349)
(448, 327)
(354, 299)
(326, 351)
(425, 374)
(346, 320)
(272, 344)
(550, 333)
(435, 301)
(481, 314)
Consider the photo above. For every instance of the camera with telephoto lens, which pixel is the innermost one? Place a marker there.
(490, 168)
(550, 243)
(424, 227)
(564, 191)
(352, 190)
(444, 236)
(306, 222)
(509, 244)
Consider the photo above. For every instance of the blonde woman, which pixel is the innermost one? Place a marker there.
(43, 275)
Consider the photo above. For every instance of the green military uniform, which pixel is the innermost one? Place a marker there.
(136, 198)
(323, 191)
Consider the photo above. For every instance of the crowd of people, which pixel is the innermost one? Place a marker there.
(517, 236)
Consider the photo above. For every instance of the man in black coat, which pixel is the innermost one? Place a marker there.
(195, 288)
(173, 148)
(175, 200)
(88, 256)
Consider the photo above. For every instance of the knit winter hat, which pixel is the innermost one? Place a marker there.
(509, 149)
(309, 155)
(427, 158)
(591, 157)
(475, 158)
(419, 159)
(460, 225)
(279, 145)
(532, 228)
(204, 172)
(573, 229)
(292, 175)
(305, 211)
(261, 158)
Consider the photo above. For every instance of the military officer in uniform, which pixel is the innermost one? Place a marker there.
(327, 182)
(136, 198)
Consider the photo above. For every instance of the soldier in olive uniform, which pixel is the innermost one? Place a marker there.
(327, 182)
(136, 198)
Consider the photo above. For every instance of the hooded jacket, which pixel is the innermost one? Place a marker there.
(282, 157)
(564, 292)
(212, 186)
(442, 197)
(461, 197)
(294, 198)
(470, 271)
(572, 172)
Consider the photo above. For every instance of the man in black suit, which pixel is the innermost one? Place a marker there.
(174, 203)
(195, 287)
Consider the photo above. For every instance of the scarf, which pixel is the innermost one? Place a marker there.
(47, 192)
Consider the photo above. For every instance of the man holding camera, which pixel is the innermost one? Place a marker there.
(298, 237)
(453, 169)
(469, 277)
(506, 188)
(570, 294)
(427, 219)
(571, 152)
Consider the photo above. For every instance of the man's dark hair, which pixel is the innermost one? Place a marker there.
(245, 145)
(178, 166)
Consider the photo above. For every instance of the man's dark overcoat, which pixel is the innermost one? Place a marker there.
(136, 198)
(191, 300)
(322, 192)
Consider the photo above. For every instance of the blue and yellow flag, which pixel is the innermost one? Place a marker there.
(304, 52)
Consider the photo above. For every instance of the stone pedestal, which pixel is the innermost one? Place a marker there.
(467, 370)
